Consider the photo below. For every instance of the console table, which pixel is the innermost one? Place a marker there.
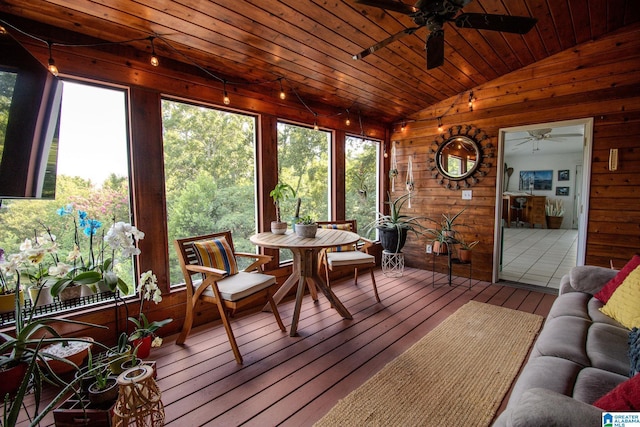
(533, 210)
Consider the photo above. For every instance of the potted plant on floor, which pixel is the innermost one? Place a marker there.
(394, 227)
(306, 227)
(554, 210)
(280, 193)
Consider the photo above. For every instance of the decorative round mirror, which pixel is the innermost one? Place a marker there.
(457, 157)
(460, 156)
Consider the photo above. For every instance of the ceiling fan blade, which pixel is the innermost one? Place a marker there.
(435, 49)
(385, 42)
(564, 135)
(523, 142)
(395, 6)
(506, 23)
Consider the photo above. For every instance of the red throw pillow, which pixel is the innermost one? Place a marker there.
(608, 289)
(625, 397)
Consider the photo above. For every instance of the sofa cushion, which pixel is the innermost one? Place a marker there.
(597, 316)
(593, 383)
(552, 373)
(571, 304)
(625, 397)
(624, 304)
(608, 348)
(609, 288)
(564, 337)
(590, 278)
(540, 407)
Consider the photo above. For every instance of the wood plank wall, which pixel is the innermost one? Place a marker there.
(598, 79)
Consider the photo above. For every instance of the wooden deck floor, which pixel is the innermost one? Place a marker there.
(295, 381)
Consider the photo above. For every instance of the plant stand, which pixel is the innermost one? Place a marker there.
(451, 263)
(392, 264)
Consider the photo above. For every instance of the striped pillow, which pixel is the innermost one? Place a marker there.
(216, 253)
(343, 248)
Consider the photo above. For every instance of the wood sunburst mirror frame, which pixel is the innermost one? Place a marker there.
(459, 156)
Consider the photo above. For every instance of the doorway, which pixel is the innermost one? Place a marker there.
(538, 165)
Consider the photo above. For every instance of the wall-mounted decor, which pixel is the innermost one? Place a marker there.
(563, 175)
(535, 180)
(562, 191)
(460, 156)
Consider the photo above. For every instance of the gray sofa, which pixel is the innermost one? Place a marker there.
(579, 356)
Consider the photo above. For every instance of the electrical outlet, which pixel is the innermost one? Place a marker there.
(466, 194)
(429, 249)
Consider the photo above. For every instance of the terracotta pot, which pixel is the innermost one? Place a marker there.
(278, 227)
(464, 255)
(439, 247)
(143, 346)
(76, 353)
(10, 379)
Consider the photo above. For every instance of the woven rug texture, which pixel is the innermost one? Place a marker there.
(456, 375)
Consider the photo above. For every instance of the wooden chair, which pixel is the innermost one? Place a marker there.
(347, 257)
(212, 260)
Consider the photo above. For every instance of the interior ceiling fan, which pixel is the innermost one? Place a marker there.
(537, 135)
(434, 13)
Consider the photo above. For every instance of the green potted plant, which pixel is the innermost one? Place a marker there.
(306, 227)
(393, 227)
(280, 193)
(103, 390)
(464, 249)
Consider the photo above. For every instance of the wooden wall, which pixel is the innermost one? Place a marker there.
(598, 79)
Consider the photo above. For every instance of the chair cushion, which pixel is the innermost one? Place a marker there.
(216, 253)
(337, 259)
(343, 248)
(241, 285)
(624, 304)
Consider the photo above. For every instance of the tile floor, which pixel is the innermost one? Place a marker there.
(538, 256)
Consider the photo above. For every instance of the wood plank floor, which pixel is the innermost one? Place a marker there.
(295, 381)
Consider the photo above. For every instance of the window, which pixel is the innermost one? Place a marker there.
(303, 163)
(209, 161)
(361, 180)
(92, 176)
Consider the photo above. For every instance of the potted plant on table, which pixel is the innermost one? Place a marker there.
(393, 227)
(306, 227)
(280, 193)
(143, 337)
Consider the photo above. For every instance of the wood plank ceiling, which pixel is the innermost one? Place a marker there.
(310, 43)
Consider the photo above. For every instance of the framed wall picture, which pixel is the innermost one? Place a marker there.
(563, 175)
(540, 180)
(562, 191)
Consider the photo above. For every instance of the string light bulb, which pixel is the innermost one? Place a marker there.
(52, 64)
(439, 124)
(154, 58)
(282, 94)
(384, 148)
(471, 101)
(225, 99)
(403, 126)
(315, 122)
(348, 121)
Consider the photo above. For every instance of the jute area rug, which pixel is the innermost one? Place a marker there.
(456, 375)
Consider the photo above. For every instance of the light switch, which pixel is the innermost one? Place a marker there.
(466, 194)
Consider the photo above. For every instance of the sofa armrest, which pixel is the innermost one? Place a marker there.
(539, 407)
(590, 278)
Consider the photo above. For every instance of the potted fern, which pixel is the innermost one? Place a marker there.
(280, 193)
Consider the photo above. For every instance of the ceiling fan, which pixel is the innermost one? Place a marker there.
(537, 135)
(433, 14)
